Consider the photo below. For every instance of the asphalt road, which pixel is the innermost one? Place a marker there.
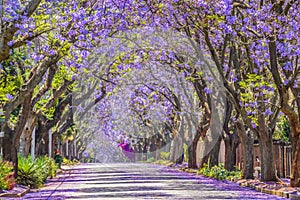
(138, 181)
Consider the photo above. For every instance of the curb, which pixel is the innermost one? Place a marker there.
(260, 187)
(15, 195)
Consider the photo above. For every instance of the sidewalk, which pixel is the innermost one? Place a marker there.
(19, 191)
(281, 190)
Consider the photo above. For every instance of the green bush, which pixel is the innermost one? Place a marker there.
(48, 166)
(66, 161)
(164, 155)
(150, 160)
(29, 173)
(162, 162)
(6, 169)
(35, 173)
(52, 168)
(220, 173)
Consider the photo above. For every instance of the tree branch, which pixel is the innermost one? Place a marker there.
(31, 7)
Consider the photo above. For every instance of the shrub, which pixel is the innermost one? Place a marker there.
(219, 172)
(47, 165)
(162, 162)
(66, 161)
(30, 173)
(52, 168)
(7, 180)
(150, 160)
(35, 173)
(164, 155)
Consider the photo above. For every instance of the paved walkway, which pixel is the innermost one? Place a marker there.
(139, 181)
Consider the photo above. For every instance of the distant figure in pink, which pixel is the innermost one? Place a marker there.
(127, 150)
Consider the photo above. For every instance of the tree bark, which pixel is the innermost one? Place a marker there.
(25, 140)
(295, 172)
(12, 137)
(231, 139)
(211, 152)
(201, 132)
(10, 149)
(295, 140)
(231, 143)
(265, 145)
(267, 164)
(247, 148)
(174, 149)
(214, 153)
(192, 155)
(288, 110)
(179, 153)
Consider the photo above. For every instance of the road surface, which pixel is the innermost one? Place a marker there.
(138, 181)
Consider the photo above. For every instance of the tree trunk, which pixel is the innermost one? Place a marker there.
(247, 148)
(295, 173)
(204, 161)
(248, 162)
(173, 149)
(289, 111)
(214, 153)
(12, 137)
(192, 155)
(41, 142)
(295, 140)
(201, 132)
(206, 152)
(145, 148)
(266, 155)
(211, 155)
(265, 145)
(231, 140)
(179, 153)
(25, 140)
(10, 149)
(231, 143)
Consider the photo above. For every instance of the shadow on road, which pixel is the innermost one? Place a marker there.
(140, 181)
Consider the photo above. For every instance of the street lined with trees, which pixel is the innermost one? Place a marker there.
(154, 77)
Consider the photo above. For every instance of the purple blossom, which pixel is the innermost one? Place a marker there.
(296, 84)
(84, 54)
(288, 66)
(234, 79)
(74, 76)
(231, 19)
(207, 90)
(268, 112)
(9, 96)
(10, 43)
(84, 31)
(253, 125)
(37, 58)
(253, 104)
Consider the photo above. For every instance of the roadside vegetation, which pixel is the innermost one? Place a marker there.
(220, 173)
